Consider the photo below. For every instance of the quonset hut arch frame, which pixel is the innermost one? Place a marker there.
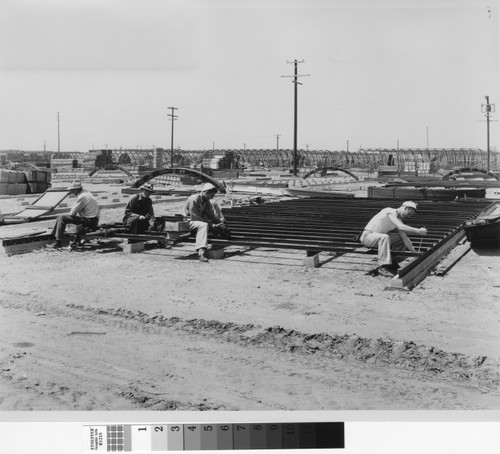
(109, 167)
(323, 169)
(181, 171)
(368, 158)
(469, 170)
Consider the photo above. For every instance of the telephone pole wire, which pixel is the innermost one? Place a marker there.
(172, 119)
(295, 82)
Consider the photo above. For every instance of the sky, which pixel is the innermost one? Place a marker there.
(374, 74)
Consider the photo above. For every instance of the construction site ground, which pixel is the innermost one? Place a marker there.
(99, 329)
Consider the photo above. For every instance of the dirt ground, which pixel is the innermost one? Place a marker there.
(98, 329)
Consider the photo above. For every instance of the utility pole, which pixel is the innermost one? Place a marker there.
(58, 134)
(278, 142)
(427, 129)
(487, 109)
(347, 145)
(172, 119)
(295, 82)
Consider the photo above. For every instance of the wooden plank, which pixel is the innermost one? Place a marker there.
(421, 271)
(23, 248)
(452, 259)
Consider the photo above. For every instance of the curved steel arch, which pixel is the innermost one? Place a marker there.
(221, 187)
(67, 155)
(110, 167)
(321, 169)
(469, 169)
(124, 159)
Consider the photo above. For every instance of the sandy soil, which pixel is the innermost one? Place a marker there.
(97, 330)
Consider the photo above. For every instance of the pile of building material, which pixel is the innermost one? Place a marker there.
(38, 181)
(63, 165)
(12, 182)
(16, 182)
(176, 180)
(424, 193)
(220, 159)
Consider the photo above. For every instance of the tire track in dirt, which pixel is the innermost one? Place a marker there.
(480, 370)
(177, 364)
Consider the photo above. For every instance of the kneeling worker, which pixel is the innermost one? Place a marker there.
(201, 215)
(139, 214)
(85, 212)
(387, 231)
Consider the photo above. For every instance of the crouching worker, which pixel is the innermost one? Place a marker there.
(387, 231)
(85, 212)
(202, 216)
(139, 214)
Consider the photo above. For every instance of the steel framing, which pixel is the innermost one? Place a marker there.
(316, 225)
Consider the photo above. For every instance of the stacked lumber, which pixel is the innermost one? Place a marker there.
(176, 179)
(12, 182)
(38, 181)
(63, 164)
(424, 193)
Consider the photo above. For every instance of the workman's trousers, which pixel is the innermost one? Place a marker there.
(65, 219)
(384, 242)
(136, 225)
(201, 233)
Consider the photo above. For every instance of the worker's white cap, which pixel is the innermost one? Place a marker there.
(147, 187)
(208, 187)
(75, 185)
(410, 205)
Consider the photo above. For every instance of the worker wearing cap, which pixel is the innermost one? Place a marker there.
(139, 214)
(387, 231)
(85, 212)
(200, 213)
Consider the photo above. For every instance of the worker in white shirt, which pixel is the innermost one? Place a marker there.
(387, 231)
(85, 212)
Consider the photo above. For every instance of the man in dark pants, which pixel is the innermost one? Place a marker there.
(85, 212)
(139, 214)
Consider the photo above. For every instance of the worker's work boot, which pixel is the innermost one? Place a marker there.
(394, 266)
(202, 255)
(386, 271)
